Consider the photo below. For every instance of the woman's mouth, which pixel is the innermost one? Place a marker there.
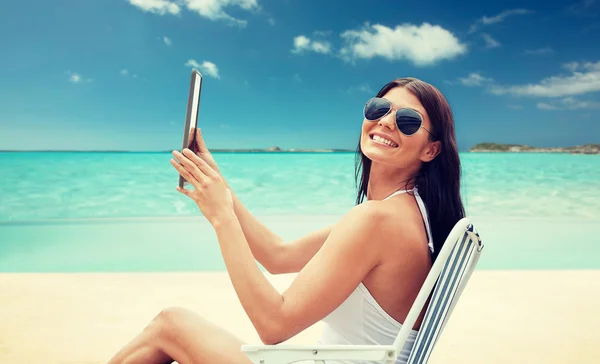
(382, 141)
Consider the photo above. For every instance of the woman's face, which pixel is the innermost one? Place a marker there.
(405, 151)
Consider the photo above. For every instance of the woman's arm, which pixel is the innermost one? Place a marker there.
(264, 243)
(349, 253)
(270, 250)
(353, 248)
(294, 255)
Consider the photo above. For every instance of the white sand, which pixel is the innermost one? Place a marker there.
(503, 316)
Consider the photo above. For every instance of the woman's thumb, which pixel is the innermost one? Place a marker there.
(199, 140)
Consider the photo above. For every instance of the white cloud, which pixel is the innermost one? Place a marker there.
(213, 9)
(210, 9)
(497, 18)
(125, 73)
(207, 68)
(539, 51)
(297, 78)
(545, 106)
(167, 40)
(489, 41)
(321, 47)
(590, 66)
(362, 88)
(585, 78)
(210, 69)
(192, 63)
(571, 66)
(515, 107)
(271, 21)
(77, 78)
(503, 15)
(474, 79)
(422, 45)
(303, 43)
(160, 7)
(568, 103)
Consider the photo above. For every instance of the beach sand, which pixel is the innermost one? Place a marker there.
(503, 316)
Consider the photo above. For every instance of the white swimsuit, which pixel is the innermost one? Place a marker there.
(360, 320)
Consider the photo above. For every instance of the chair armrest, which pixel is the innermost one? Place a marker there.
(283, 354)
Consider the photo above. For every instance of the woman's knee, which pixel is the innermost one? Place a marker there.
(170, 321)
(172, 315)
(183, 334)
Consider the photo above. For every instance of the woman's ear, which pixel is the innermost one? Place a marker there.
(431, 150)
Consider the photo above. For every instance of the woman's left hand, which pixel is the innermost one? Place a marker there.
(210, 192)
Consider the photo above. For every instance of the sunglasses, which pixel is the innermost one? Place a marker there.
(408, 120)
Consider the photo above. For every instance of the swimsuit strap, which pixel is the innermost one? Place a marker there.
(397, 193)
(424, 213)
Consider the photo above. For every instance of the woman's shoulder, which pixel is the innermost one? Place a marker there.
(398, 211)
(366, 222)
(400, 218)
(373, 214)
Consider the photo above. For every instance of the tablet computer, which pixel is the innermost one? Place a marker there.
(191, 117)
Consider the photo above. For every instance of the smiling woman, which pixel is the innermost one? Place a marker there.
(87, 188)
(410, 129)
(348, 272)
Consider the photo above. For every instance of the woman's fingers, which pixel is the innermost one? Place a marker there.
(182, 170)
(202, 151)
(200, 163)
(186, 169)
(184, 191)
(186, 162)
(200, 144)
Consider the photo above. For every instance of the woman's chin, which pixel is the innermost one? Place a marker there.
(377, 154)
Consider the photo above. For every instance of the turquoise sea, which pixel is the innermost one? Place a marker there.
(85, 211)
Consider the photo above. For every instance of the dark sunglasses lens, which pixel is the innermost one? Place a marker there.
(376, 108)
(408, 121)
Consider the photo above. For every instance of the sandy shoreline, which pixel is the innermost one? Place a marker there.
(503, 316)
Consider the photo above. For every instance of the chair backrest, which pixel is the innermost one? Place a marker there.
(449, 275)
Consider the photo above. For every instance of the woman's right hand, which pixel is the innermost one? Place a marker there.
(202, 151)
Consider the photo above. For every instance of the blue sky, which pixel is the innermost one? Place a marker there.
(114, 74)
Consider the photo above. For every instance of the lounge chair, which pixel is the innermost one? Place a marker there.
(449, 275)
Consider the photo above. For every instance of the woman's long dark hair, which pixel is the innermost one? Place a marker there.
(438, 181)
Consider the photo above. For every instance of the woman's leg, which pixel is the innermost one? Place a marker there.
(178, 334)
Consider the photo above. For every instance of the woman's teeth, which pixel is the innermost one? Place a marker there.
(385, 141)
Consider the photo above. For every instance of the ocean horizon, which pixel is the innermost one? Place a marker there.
(267, 150)
(106, 211)
(485, 147)
(54, 185)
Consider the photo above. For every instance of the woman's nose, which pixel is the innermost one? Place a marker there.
(389, 121)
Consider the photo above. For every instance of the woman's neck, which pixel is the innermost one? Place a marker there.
(383, 181)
